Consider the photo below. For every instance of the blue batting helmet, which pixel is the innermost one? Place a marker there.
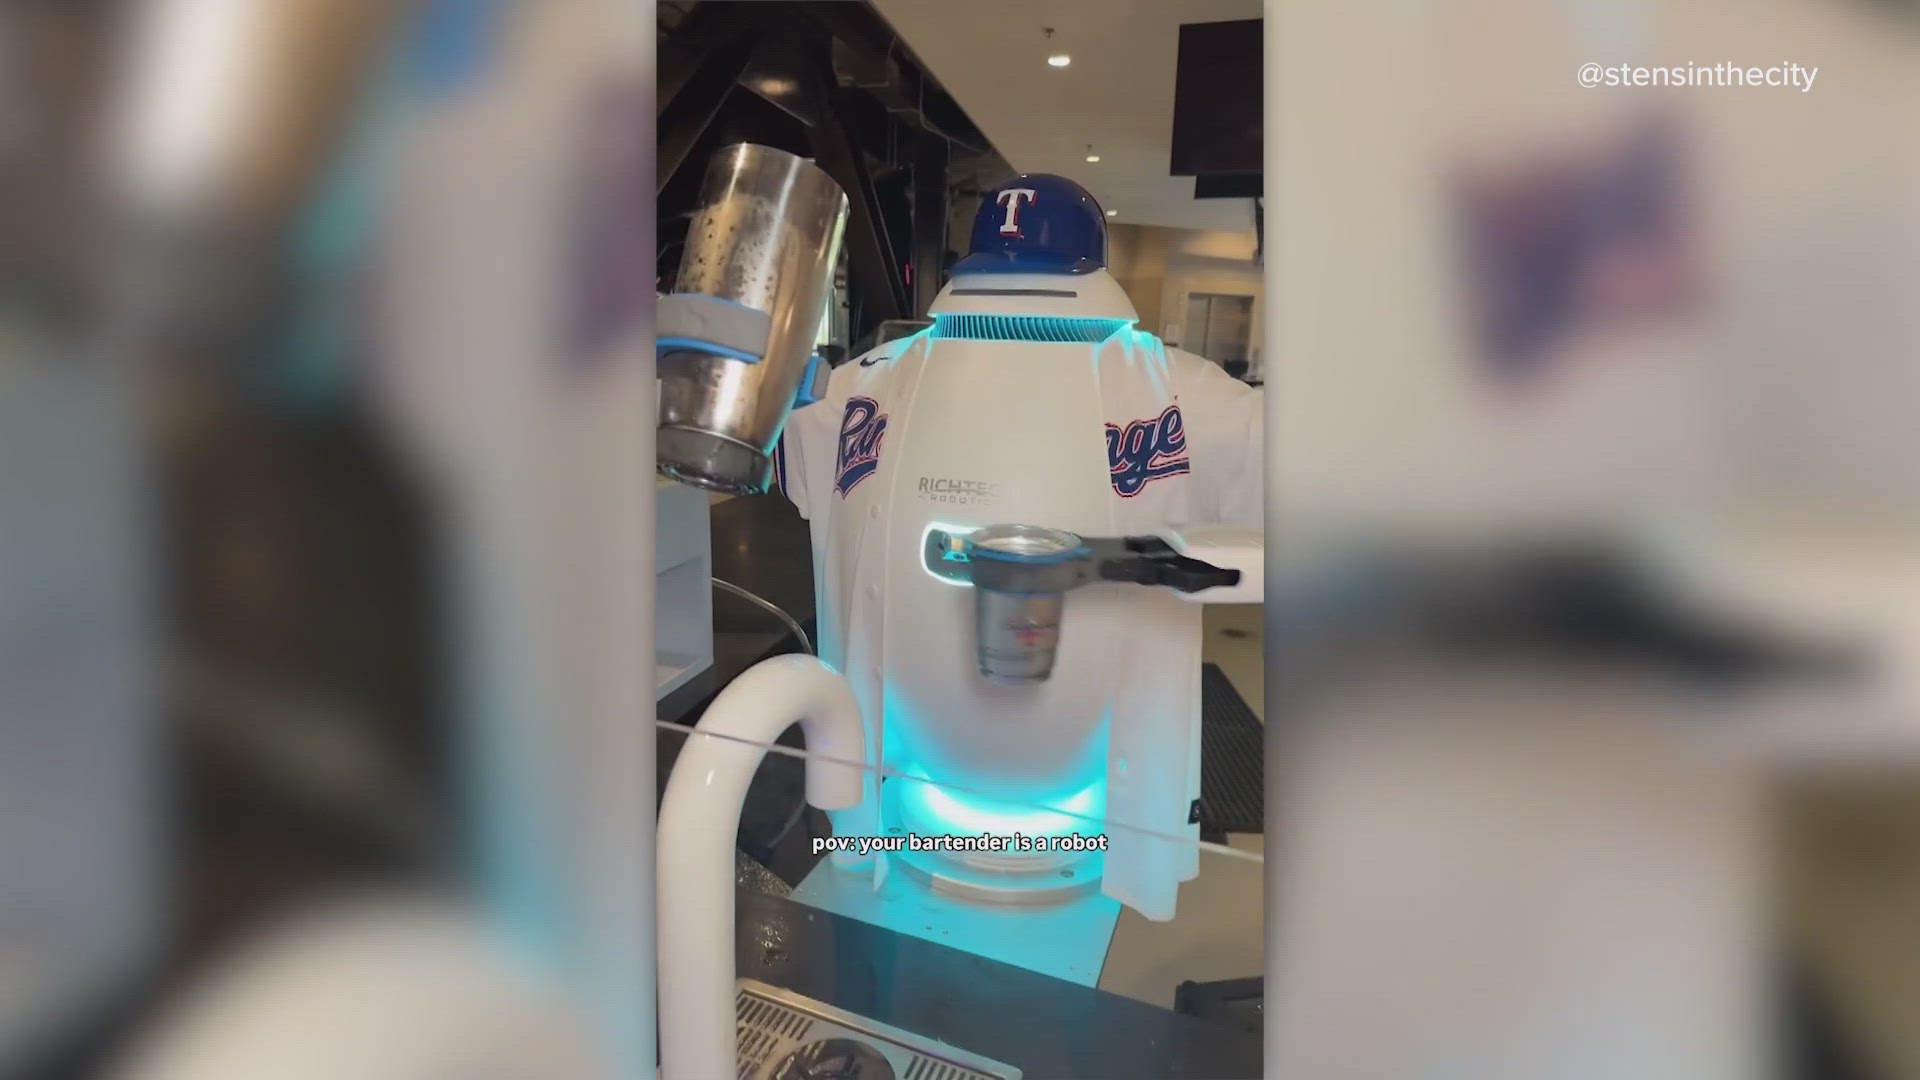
(1037, 224)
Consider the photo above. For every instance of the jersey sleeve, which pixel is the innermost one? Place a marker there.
(803, 459)
(1226, 437)
(789, 461)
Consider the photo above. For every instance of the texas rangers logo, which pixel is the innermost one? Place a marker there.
(1147, 450)
(1011, 199)
(861, 429)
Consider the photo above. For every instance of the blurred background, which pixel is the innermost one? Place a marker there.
(1588, 429)
(1594, 509)
(277, 275)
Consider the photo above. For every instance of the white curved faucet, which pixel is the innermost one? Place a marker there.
(699, 818)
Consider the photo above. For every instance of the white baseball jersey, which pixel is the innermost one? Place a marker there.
(1224, 422)
(904, 437)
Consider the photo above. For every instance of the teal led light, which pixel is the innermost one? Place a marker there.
(964, 814)
(1026, 328)
(953, 554)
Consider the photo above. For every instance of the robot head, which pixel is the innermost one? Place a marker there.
(1037, 224)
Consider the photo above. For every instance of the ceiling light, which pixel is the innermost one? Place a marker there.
(1111, 213)
(1058, 59)
(1092, 158)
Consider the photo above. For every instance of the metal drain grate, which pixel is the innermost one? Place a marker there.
(773, 1023)
(929, 1069)
(1233, 770)
(762, 1027)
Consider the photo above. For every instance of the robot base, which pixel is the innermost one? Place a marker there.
(982, 877)
(971, 878)
(1040, 911)
(1066, 938)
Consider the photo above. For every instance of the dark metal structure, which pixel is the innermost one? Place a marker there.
(830, 81)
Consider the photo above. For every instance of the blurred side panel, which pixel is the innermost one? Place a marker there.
(1595, 512)
(80, 774)
(81, 798)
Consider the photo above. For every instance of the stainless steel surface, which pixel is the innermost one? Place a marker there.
(748, 874)
(1017, 626)
(782, 1033)
(1030, 540)
(771, 608)
(1018, 634)
(766, 236)
(835, 1059)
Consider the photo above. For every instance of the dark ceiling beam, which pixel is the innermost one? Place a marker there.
(700, 30)
(685, 117)
(930, 161)
(875, 268)
(865, 32)
(778, 75)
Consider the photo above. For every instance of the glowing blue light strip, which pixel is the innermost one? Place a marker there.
(670, 344)
(951, 530)
(1054, 328)
(971, 815)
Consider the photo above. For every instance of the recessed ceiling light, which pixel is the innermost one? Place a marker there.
(1110, 213)
(1059, 59)
(1093, 157)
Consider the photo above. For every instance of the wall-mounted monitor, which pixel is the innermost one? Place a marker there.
(1217, 108)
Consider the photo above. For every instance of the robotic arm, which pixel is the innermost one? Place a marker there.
(1022, 573)
(1220, 549)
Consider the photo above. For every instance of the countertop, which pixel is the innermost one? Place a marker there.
(1049, 1028)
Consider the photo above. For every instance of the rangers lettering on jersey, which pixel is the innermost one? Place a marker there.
(862, 427)
(1147, 450)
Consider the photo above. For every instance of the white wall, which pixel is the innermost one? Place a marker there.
(1161, 267)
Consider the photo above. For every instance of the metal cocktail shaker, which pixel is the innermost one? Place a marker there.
(736, 337)
(1021, 575)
